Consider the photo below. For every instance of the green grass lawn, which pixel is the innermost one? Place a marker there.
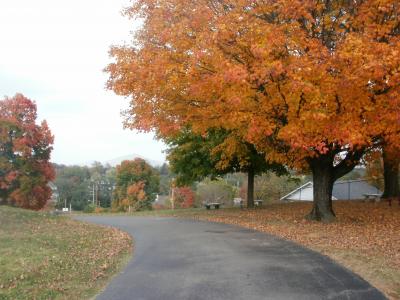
(54, 257)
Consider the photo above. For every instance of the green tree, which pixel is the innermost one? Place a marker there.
(270, 188)
(129, 175)
(80, 186)
(218, 152)
(73, 185)
(102, 181)
(166, 178)
(215, 190)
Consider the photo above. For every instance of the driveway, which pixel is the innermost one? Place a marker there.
(184, 259)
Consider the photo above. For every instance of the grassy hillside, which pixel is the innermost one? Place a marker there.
(53, 257)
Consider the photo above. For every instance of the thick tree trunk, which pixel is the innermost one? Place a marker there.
(323, 179)
(391, 177)
(250, 188)
(324, 176)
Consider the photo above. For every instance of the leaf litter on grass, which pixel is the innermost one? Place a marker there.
(44, 257)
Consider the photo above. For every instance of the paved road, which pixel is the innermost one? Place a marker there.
(178, 259)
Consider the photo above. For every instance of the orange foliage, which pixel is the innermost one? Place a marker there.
(136, 194)
(136, 186)
(320, 76)
(302, 80)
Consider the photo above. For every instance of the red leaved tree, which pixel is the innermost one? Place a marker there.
(25, 149)
(184, 197)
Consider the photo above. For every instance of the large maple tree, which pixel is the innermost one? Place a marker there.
(25, 149)
(312, 83)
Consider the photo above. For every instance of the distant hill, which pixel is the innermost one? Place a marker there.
(116, 161)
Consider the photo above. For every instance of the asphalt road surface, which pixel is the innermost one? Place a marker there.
(178, 259)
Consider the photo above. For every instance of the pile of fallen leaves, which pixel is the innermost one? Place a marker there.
(365, 237)
(54, 257)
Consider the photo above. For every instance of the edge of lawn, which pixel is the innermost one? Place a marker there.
(124, 259)
(44, 256)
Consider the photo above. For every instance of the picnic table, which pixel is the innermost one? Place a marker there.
(373, 197)
(216, 205)
(258, 203)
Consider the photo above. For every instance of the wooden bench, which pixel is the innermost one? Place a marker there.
(216, 205)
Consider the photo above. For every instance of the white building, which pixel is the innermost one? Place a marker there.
(342, 190)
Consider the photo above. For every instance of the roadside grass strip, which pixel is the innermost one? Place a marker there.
(54, 257)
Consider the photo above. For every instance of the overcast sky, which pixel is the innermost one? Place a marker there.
(53, 52)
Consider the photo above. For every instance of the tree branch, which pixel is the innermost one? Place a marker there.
(348, 163)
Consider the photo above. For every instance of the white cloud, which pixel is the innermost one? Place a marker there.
(53, 52)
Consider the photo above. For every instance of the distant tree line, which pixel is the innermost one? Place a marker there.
(80, 186)
(132, 185)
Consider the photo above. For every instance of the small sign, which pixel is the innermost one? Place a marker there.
(65, 209)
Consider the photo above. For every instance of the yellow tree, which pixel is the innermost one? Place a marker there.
(135, 195)
(137, 184)
(311, 83)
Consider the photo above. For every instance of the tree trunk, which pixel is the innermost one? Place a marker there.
(323, 179)
(324, 176)
(391, 176)
(250, 188)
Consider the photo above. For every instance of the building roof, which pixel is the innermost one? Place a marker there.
(342, 190)
(353, 189)
(308, 184)
(52, 186)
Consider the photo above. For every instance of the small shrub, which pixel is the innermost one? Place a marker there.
(90, 208)
(99, 210)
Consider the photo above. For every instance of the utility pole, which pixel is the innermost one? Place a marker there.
(173, 198)
(173, 194)
(97, 194)
(93, 193)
